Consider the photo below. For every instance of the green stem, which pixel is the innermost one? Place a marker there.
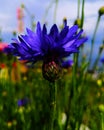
(69, 106)
(102, 121)
(82, 15)
(47, 10)
(93, 41)
(75, 70)
(96, 61)
(53, 95)
(31, 17)
(82, 21)
(72, 95)
(78, 9)
(55, 10)
(103, 68)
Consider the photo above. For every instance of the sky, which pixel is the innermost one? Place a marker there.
(65, 8)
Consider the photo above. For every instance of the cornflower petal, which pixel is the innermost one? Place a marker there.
(70, 33)
(64, 32)
(33, 43)
(81, 41)
(30, 33)
(54, 32)
(39, 45)
(38, 29)
(44, 29)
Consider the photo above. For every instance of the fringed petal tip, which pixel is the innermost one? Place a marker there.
(39, 45)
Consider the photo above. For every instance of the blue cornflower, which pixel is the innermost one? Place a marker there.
(49, 47)
(67, 63)
(102, 60)
(23, 102)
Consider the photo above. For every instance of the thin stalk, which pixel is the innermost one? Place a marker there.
(93, 41)
(55, 10)
(74, 81)
(78, 9)
(72, 91)
(53, 95)
(69, 106)
(82, 22)
(82, 15)
(103, 68)
(31, 17)
(82, 58)
(97, 59)
(102, 121)
(47, 10)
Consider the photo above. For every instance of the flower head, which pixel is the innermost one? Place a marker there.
(101, 11)
(50, 47)
(102, 60)
(78, 22)
(23, 102)
(67, 63)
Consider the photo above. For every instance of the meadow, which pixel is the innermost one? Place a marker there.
(46, 95)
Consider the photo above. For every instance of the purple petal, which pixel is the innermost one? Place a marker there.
(54, 31)
(44, 29)
(38, 29)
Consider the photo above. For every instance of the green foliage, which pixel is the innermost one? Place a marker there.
(76, 99)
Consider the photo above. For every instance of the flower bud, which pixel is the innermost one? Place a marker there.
(14, 33)
(65, 21)
(51, 71)
(34, 24)
(78, 22)
(22, 6)
(101, 11)
(101, 47)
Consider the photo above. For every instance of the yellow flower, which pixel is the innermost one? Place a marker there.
(4, 93)
(25, 78)
(99, 82)
(9, 124)
(101, 107)
(21, 109)
(4, 74)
